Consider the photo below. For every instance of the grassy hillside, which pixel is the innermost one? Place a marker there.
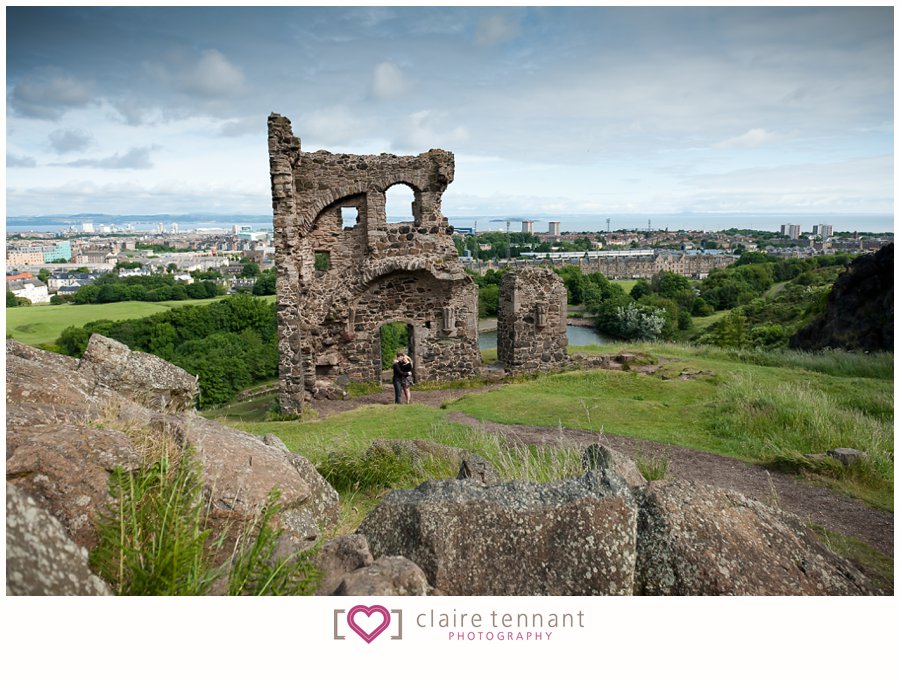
(770, 408)
(43, 324)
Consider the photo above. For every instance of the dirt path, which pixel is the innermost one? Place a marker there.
(812, 503)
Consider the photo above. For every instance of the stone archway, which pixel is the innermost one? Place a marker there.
(376, 271)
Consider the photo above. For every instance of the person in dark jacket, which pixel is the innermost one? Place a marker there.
(402, 379)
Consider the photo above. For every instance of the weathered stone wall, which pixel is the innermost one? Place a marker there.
(338, 285)
(531, 320)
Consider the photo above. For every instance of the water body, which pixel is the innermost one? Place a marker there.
(578, 335)
(870, 222)
(688, 221)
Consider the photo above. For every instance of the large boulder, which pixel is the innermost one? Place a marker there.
(70, 424)
(695, 539)
(571, 537)
(338, 557)
(66, 468)
(385, 577)
(240, 470)
(41, 559)
(142, 377)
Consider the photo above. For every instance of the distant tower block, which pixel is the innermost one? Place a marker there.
(527, 226)
(553, 229)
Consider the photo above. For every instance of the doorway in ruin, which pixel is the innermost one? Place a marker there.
(391, 338)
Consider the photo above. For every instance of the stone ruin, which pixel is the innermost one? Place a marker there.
(531, 320)
(338, 284)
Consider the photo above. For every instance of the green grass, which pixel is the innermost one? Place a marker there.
(772, 415)
(37, 325)
(768, 408)
(627, 284)
(870, 561)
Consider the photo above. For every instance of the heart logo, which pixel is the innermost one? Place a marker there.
(363, 612)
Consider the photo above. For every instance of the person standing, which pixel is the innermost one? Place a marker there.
(402, 377)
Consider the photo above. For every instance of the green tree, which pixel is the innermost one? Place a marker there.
(488, 300)
(265, 283)
(44, 275)
(250, 270)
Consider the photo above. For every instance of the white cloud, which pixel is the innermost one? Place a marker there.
(137, 158)
(211, 76)
(48, 99)
(429, 130)
(388, 81)
(13, 161)
(496, 29)
(752, 139)
(69, 140)
(335, 126)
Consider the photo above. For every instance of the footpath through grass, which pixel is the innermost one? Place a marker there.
(769, 408)
(43, 324)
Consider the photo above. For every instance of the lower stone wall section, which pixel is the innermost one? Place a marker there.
(531, 320)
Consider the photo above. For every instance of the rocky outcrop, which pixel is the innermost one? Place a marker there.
(859, 314)
(601, 534)
(385, 577)
(70, 424)
(479, 470)
(67, 467)
(143, 378)
(576, 536)
(338, 557)
(695, 539)
(41, 559)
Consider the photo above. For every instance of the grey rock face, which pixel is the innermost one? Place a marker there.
(40, 557)
(66, 468)
(68, 428)
(340, 556)
(571, 537)
(387, 576)
(478, 469)
(599, 457)
(694, 539)
(846, 456)
(141, 377)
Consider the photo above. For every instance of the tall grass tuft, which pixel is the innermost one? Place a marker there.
(653, 468)
(152, 539)
(782, 425)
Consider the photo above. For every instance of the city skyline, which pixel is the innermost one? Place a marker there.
(548, 110)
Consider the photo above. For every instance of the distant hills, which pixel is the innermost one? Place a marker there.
(63, 220)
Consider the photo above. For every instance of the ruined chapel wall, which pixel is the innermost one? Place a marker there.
(531, 320)
(377, 272)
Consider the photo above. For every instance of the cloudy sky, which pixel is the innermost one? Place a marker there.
(548, 110)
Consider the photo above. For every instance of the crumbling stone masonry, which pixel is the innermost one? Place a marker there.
(337, 285)
(531, 320)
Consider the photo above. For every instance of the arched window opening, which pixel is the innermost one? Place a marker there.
(349, 217)
(399, 204)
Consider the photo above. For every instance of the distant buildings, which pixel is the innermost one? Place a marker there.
(28, 287)
(823, 231)
(553, 228)
(25, 253)
(791, 231)
(527, 226)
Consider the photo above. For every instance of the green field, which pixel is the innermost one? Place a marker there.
(43, 324)
(766, 408)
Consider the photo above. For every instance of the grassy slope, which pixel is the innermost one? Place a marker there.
(763, 414)
(40, 324)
